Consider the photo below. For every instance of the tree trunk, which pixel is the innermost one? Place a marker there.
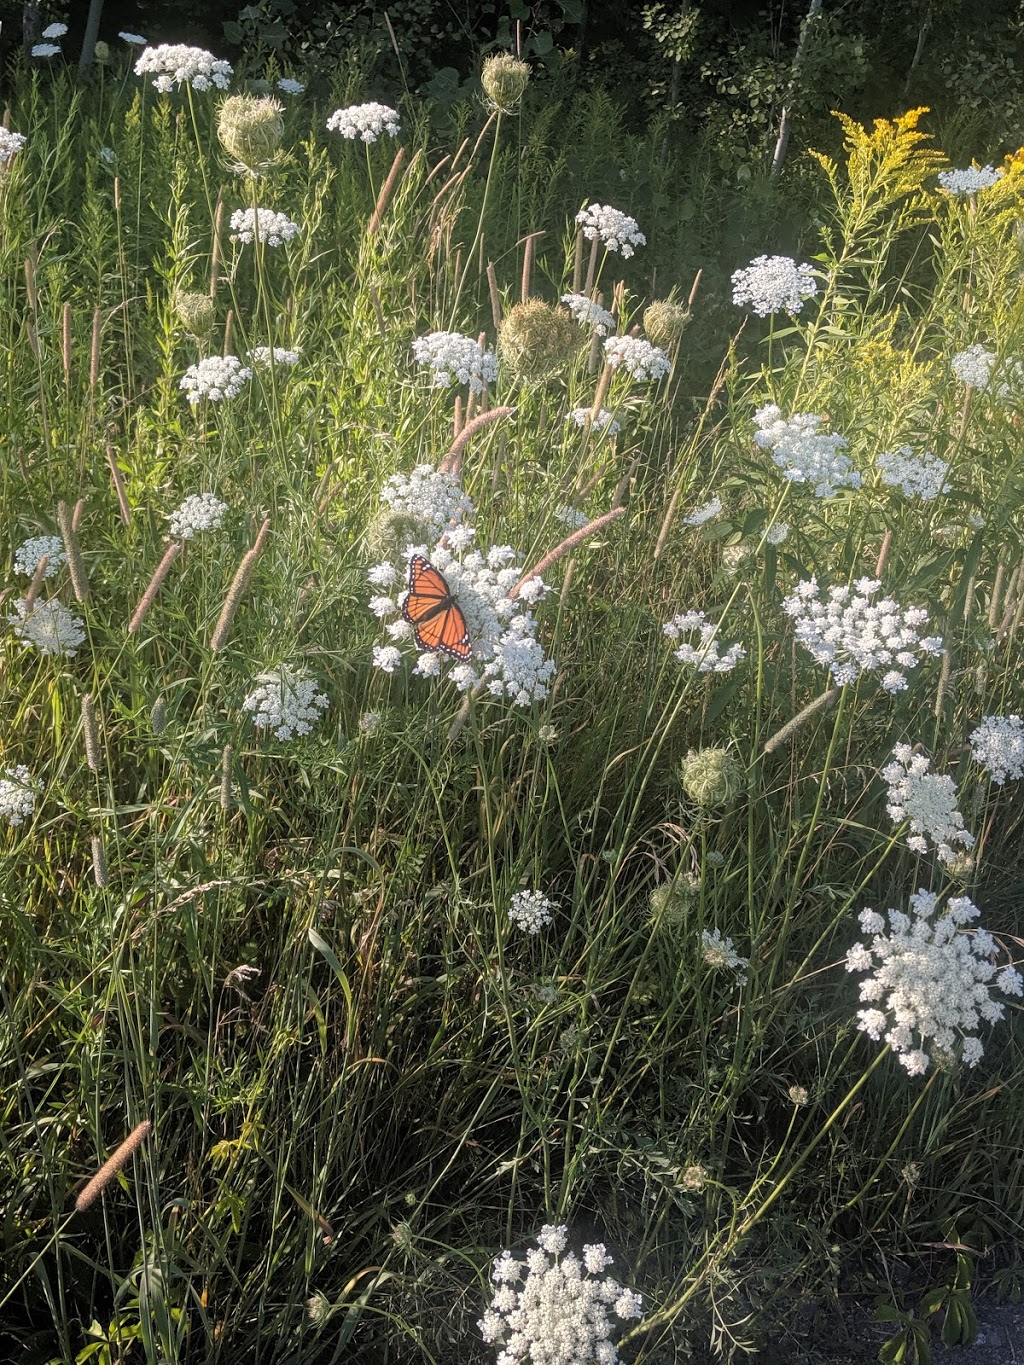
(782, 142)
(92, 29)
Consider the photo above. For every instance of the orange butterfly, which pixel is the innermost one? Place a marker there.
(434, 614)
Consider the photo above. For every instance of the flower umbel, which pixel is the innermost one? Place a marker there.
(616, 230)
(705, 657)
(773, 284)
(555, 1308)
(456, 359)
(923, 476)
(48, 626)
(530, 911)
(931, 977)
(367, 122)
(637, 357)
(851, 633)
(199, 512)
(31, 551)
(172, 64)
(217, 377)
(286, 702)
(18, 795)
(928, 801)
(998, 746)
(803, 452)
(270, 227)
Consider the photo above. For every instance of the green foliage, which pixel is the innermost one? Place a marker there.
(299, 963)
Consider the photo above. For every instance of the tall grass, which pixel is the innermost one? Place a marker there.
(294, 959)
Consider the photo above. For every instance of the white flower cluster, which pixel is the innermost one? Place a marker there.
(365, 121)
(507, 658)
(705, 657)
(54, 31)
(530, 911)
(929, 978)
(928, 801)
(10, 143)
(637, 357)
(922, 476)
(199, 512)
(851, 634)
(216, 377)
(45, 49)
(587, 311)
(719, 952)
(31, 551)
(18, 795)
(973, 366)
(997, 745)
(616, 230)
(48, 626)
(456, 359)
(969, 181)
(778, 534)
(702, 514)
(272, 228)
(773, 284)
(803, 452)
(603, 421)
(554, 1308)
(283, 358)
(571, 517)
(436, 500)
(172, 64)
(290, 86)
(135, 39)
(286, 702)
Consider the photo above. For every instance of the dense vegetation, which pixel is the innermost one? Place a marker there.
(293, 954)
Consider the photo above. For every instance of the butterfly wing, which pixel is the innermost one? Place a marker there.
(437, 619)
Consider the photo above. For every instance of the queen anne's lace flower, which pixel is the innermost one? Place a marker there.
(973, 366)
(31, 551)
(54, 31)
(928, 801)
(603, 421)
(997, 745)
(134, 39)
(586, 311)
(172, 64)
(434, 499)
(10, 143)
(616, 230)
(283, 358)
(969, 181)
(921, 476)
(530, 911)
(851, 634)
(286, 702)
(289, 86)
(456, 359)
(702, 514)
(778, 533)
(48, 626)
(217, 377)
(554, 1308)
(271, 227)
(45, 49)
(773, 284)
(199, 512)
(18, 795)
(803, 452)
(571, 517)
(365, 121)
(930, 975)
(705, 657)
(507, 659)
(719, 952)
(637, 357)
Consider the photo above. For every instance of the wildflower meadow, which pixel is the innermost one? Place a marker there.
(509, 828)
